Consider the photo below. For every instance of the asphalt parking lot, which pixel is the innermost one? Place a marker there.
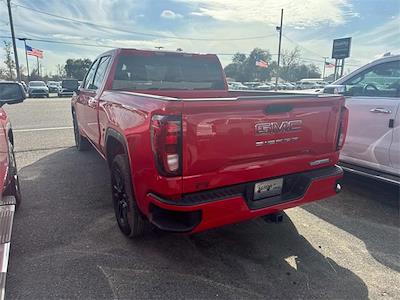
(66, 244)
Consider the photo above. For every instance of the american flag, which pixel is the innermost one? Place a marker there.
(261, 63)
(329, 65)
(33, 51)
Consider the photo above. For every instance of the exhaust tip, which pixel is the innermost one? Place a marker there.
(338, 188)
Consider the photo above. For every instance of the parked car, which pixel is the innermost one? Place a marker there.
(10, 193)
(38, 89)
(187, 155)
(53, 86)
(237, 86)
(265, 87)
(281, 86)
(67, 87)
(24, 86)
(289, 86)
(252, 85)
(311, 83)
(372, 93)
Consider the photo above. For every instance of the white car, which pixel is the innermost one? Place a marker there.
(237, 86)
(38, 89)
(265, 87)
(372, 146)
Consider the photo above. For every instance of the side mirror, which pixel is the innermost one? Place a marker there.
(11, 93)
(335, 89)
(70, 84)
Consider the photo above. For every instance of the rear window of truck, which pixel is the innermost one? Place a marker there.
(167, 72)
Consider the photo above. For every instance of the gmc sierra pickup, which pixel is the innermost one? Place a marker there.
(187, 155)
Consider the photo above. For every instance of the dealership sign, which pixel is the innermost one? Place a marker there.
(341, 48)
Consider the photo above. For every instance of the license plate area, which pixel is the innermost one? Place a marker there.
(267, 188)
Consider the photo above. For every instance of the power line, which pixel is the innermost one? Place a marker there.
(310, 51)
(137, 32)
(88, 45)
(116, 46)
(301, 46)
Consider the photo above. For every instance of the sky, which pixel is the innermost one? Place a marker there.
(223, 27)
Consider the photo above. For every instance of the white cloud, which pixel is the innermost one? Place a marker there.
(296, 13)
(169, 14)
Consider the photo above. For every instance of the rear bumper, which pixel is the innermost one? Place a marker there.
(38, 93)
(213, 208)
(65, 93)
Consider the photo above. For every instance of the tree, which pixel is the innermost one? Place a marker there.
(77, 68)
(3, 73)
(243, 68)
(9, 62)
(239, 58)
(290, 61)
(60, 73)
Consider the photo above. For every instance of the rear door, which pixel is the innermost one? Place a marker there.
(229, 142)
(86, 94)
(91, 110)
(372, 99)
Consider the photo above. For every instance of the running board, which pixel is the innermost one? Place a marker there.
(381, 176)
(7, 208)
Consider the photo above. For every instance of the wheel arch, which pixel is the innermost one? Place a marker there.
(115, 144)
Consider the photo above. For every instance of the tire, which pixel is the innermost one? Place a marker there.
(129, 218)
(81, 143)
(13, 189)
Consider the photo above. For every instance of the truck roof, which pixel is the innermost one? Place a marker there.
(148, 51)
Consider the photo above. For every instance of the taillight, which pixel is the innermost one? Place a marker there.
(166, 142)
(344, 117)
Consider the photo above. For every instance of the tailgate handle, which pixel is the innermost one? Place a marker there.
(278, 108)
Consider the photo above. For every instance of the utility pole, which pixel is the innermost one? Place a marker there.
(279, 28)
(26, 56)
(13, 40)
(323, 73)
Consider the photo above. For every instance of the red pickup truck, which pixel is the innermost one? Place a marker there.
(187, 154)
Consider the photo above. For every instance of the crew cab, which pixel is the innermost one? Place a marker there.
(10, 194)
(187, 154)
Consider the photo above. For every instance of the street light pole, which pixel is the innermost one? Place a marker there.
(26, 56)
(13, 40)
(279, 50)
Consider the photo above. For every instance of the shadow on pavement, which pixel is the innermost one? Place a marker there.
(66, 244)
(369, 210)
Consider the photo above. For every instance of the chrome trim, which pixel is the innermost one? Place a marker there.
(319, 162)
(358, 172)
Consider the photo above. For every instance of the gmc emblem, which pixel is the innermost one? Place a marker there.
(278, 127)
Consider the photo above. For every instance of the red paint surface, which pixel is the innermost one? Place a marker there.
(218, 142)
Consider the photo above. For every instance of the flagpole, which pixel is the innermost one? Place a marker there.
(37, 58)
(26, 56)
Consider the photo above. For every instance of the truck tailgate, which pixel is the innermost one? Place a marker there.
(243, 140)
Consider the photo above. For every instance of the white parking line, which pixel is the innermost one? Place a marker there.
(42, 129)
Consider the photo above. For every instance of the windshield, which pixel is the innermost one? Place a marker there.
(37, 83)
(164, 72)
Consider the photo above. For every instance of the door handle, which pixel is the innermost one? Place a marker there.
(380, 110)
(92, 102)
